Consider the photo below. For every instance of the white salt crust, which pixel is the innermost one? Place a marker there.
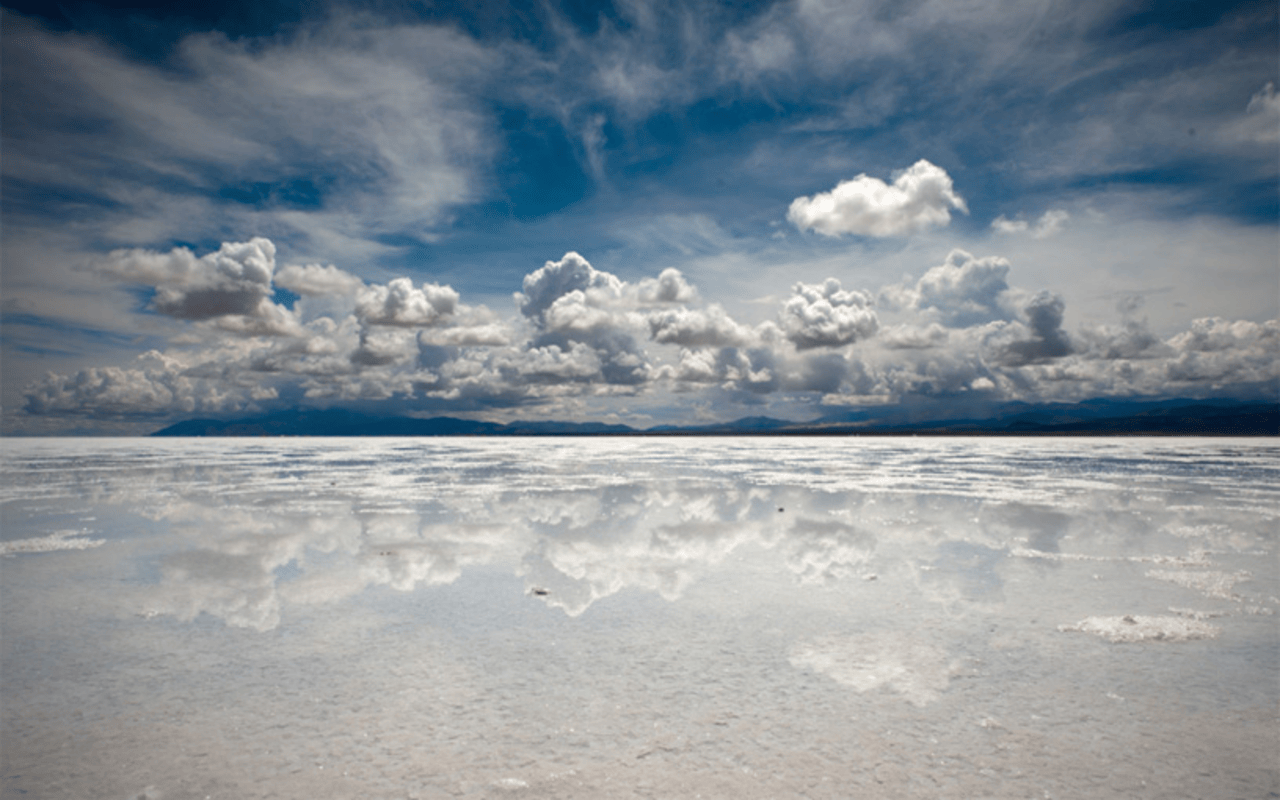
(1132, 628)
(62, 540)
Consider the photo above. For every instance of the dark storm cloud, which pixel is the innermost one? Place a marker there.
(1047, 341)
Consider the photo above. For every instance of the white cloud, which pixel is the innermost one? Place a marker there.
(400, 303)
(114, 392)
(1002, 225)
(573, 314)
(751, 56)
(576, 363)
(1223, 352)
(265, 319)
(370, 129)
(314, 280)
(1133, 339)
(827, 316)
(920, 197)
(379, 346)
(1262, 117)
(1049, 224)
(669, 287)
(913, 337)
(545, 285)
(231, 287)
(752, 370)
(963, 290)
(578, 341)
(483, 334)
(229, 281)
(702, 327)
(1214, 334)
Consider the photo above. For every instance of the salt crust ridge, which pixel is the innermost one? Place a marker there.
(1129, 628)
(62, 540)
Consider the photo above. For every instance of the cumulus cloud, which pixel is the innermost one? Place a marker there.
(1046, 341)
(913, 337)
(581, 334)
(669, 287)
(555, 279)
(115, 392)
(573, 313)
(1217, 352)
(379, 346)
(963, 290)
(399, 303)
(827, 316)
(591, 318)
(480, 334)
(235, 281)
(698, 327)
(1214, 334)
(753, 370)
(919, 197)
(314, 280)
(1131, 340)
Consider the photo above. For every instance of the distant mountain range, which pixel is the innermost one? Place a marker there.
(1101, 417)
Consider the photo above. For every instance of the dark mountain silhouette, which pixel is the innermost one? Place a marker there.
(1094, 417)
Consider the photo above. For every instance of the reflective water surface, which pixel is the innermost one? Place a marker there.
(600, 618)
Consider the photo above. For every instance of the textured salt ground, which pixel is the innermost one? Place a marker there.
(646, 701)
(688, 645)
(703, 717)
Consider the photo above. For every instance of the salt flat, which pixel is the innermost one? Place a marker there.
(392, 618)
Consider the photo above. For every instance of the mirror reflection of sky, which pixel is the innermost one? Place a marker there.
(565, 617)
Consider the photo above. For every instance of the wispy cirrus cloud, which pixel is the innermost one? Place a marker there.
(341, 209)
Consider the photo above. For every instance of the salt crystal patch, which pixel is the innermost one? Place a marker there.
(62, 540)
(1130, 628)
(1193, 614)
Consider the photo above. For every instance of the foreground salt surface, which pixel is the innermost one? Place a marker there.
(634, 618)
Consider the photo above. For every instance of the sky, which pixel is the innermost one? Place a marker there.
(638, 212)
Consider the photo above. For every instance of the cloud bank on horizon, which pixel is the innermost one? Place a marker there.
(650, 213)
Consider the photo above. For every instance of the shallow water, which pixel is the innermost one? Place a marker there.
(748, 618)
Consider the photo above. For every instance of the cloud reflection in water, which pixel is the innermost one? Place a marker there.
(623, 611)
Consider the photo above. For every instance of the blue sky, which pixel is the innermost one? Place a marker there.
(640, 212)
